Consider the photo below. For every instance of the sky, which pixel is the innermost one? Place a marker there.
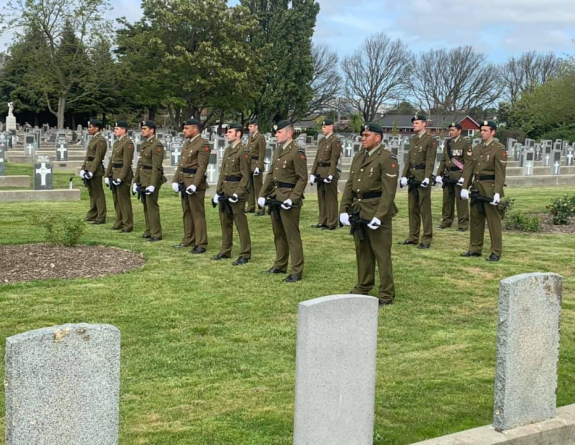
(500, 29)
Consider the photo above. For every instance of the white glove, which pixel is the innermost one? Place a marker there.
(311, 179)
(261, 202)
(403, 181)
(425, 182)
(107, 181)
(464, 194)
(191, 189)
(344, 219)
(495, 200)
(134, 188)
(117, 182)
(234, 198)
(150, 189)
(82, 173)
(256, 171)
(216, 198)
(460, 182)
(286, 204)
(438, 180)
(175, 187)
(328, 179)
(374, 223)
(88, 175)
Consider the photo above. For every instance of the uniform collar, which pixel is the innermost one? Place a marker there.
(150, 138)
(195, 137)
(372, 151)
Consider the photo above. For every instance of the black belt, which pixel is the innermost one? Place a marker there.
(286, 185)
(454, 169)
(90, 158)
(486, 178)
(147, 167)
(117, 165)
(367, 195)
(233, 178)
(255, 157)
(190, 170)
(324, 164)
(419, 167)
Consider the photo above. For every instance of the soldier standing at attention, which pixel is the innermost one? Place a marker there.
(286, 182)
(93, 170)
(487, 171)
(257, 148)
(370, 194)
(191, 174)
(451, 167)
(232, 187)
(419, 167)
(324, 173)
(119, 176)
(150, 177)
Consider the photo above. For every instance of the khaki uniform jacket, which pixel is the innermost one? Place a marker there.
(422, 151)
(257, 149)
(328, 151)
(375, 173)
(95, 155)
(151, 155)
(490, 159)
(122, 153)
(235, 163)
(461, 151)
(195, 155)
(289, 166)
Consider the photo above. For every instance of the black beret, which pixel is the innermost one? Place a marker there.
(489, 124)
(281, 125)
(192, 122)
(95, 123)
(253, 122)
(455, 124)
(373, 127)
(327, 122)
(122, 124)
(148, 123)
(419, 117)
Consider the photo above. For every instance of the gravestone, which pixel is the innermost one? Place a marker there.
(569, 157)
(527, 349)
(517, 151)
(2, 163)
(61, 150)
(268, 158)
(528, 161)
(176, 151)
(212, 170)
(63, 386)
(4, 141)
(555, 162)
(476, 141)
(335, 370)
(43, 173)
(30, 144)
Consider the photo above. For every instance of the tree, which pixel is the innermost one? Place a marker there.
(378, 71)
(403, 107)
(326, 82)
(527, 71)
(454, 81)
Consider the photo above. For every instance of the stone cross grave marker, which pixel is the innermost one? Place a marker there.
(212, 170)
(176, 151)
(30, 144)
(555, 162)
(528, 161)
(61, 150)
(63, 386)
(569, 157)
(42, 173)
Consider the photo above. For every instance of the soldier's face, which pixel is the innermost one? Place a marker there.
(120, 131)
(419, 125)
(146, 131)
(326, 129)
(454, 132)
(369, 139)
(284, 134)
(233, 135)
(190, 131)
(253, 128)
(487, 133)
(92, 130)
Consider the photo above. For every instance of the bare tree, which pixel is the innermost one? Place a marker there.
(454, 81)
(326, 82)
(528, 71)
(377, 71)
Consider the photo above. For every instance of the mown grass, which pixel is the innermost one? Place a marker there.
(208, 350)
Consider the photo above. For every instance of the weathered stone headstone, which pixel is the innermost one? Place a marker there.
(43, 173)
(528, 161)
(63, 386)
(335, 370)
(527, 349)
(30, 144)
(2, 163)
(176, 150)
(61, 150)
(212, 170)
(569, 157)
(555, 162)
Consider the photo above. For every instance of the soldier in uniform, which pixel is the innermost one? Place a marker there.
(324, 173)
(451, 166)
(370, 190)
(419, 167)
(233, 182)
(485, 172)
(119, 176)
(191, 175)
(93, 171)
(257, 147)
(150, 177)
(286, 181)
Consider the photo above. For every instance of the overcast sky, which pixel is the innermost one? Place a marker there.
(499, 28)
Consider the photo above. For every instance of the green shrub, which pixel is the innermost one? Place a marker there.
(60, 230)
(505, 206)
(522, 222)
(562, 209)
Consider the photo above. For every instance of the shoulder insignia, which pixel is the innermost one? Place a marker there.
(246, 156)
(159, 149)
(434, 142)
(504, 154)
(131, 146)
(207, 148)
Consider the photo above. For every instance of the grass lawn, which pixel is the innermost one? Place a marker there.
(208, 350)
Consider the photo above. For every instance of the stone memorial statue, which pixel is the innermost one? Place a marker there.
(10, 119)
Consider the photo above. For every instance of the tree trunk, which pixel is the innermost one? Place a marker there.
(61, 111)
(152, 113)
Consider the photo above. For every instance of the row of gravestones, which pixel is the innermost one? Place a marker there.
(63, 383)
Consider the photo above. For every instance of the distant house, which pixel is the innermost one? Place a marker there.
(436, 123)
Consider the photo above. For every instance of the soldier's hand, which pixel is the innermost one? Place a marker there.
(175, 187)
(403, 181)
(460, 182)
(261, 202)
(216, 199)
(89, 175)
(107, 181)
(496, 200)
(374, 223)
(150, 189)
(134, 188)
(117, 182)
(311, 179)
(256, 172)
(344, 219)
(82, 173)
(191, 189)
(425, 182)
(438, 180)
(464, 194)
(234, 198)
(286, 204)
(328, 179)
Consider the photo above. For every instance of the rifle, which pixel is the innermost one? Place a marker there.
(413, 184)
(451, 183)
(141, 193)
(479, 200)
(319, 182)
(113, 187)
(85, 181)
(357, 224)
(182, 190)
(274, 206)
(224, 203)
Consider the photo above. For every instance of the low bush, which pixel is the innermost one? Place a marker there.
(59, 230)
